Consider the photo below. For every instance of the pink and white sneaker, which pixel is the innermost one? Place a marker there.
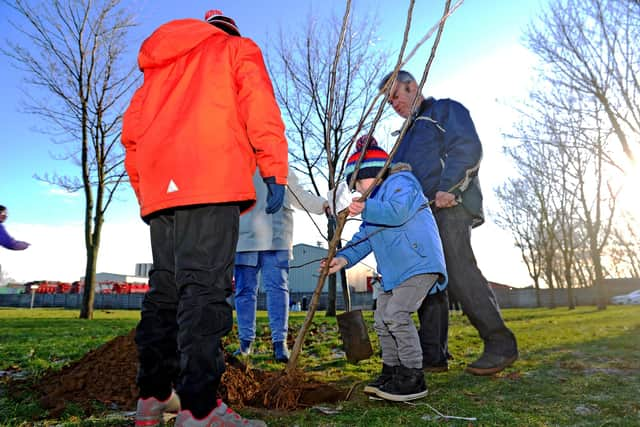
(222, 415)
(149, 412)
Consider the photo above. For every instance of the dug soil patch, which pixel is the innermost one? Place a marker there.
(107, 375)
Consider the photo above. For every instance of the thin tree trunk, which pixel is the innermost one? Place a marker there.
(88, 295)
(536, 284)
(332, 290)
(599, 283)
(571, 302)
(549, 278)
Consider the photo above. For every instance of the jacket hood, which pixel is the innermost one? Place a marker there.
(399, 167)
(173, 40)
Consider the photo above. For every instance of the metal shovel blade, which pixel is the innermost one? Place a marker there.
(355, 337)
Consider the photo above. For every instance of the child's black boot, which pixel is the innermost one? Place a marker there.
(405, 384)
(386, 375)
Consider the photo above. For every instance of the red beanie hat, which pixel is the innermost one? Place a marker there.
(216, 17)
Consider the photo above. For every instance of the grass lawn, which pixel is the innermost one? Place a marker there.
(576, 368)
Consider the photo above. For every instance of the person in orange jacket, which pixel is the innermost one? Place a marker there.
(193, 133)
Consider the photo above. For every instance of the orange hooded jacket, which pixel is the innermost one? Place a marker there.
(204, 116)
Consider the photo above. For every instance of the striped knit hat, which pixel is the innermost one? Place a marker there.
(372, 162)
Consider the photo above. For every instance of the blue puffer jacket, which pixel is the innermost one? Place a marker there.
(398, 226)
(444, 151)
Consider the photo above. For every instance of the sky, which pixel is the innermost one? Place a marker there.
(481, 62)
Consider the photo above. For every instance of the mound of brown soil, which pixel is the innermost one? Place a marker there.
(107, 374)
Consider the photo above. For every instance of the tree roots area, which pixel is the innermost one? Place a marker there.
(107, 375)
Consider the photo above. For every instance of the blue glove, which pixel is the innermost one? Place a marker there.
(275, 198)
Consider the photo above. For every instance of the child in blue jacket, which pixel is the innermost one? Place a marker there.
(399, 228)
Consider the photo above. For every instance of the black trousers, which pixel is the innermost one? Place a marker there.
(434, 329)
(468, 286)
(185, 313)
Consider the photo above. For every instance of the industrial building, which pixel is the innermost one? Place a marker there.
(304, 274)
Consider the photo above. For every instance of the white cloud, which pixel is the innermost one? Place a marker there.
(58, 252)
(57, 191)
(489, 88)
(497, 257)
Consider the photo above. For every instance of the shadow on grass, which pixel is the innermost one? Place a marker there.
(594, 382)
(547, 312)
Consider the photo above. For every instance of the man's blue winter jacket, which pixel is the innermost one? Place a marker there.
(444, 151)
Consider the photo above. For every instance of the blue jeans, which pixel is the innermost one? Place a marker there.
(274, 268)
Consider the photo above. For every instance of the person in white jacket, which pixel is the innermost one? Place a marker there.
(265, 245)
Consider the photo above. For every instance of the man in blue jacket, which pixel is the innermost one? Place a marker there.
(444, 152)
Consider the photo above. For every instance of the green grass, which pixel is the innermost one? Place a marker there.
(34, 340)
(577, 368)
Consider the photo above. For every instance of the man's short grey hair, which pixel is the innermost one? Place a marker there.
(403, 77)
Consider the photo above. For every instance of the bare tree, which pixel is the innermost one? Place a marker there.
(586, 98)
(530, 195)
(583, 127)
(597, 210)
(519, 213)
(325, 77)
(564, 165)
(592, 50)
(624, 251)
(73, 60)
(563, 205)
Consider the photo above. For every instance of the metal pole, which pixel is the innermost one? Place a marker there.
(33, 296)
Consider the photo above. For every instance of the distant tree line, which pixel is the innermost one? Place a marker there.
(573, 145)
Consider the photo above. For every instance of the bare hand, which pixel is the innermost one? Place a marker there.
(445, 200)
(20, 246)
(336, 264)
(327, 209)
(356, 207)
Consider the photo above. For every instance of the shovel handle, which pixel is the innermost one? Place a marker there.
(346, 295)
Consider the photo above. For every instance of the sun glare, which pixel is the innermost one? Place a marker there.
(630, 196)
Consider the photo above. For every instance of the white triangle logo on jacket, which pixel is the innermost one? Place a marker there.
(172, 188)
